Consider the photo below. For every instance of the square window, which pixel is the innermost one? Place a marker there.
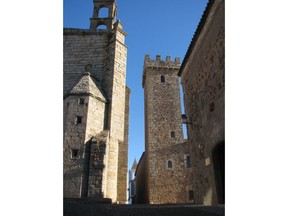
(78, 120)
(74, 153)
(81, 101)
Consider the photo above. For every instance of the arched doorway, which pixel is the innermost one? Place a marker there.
(218, 155)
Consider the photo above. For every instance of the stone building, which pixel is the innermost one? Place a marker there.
(132, 183)
(202, 77)
(96, 108)
(166, 152)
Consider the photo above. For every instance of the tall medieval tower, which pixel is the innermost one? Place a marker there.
(166, 152)
(96, 107)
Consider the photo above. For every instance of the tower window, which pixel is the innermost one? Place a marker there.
(74, 153)
(187, 161)
(78, 120)
(212, 106)
(172, 134)
(81, 101)
(162, 79)
(191, 195)
(169, 164)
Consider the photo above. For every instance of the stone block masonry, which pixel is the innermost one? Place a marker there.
(202, 75)
(165, 149)
(96, 106)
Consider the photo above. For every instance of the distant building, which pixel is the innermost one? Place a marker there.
(132, 182)
(202, 78)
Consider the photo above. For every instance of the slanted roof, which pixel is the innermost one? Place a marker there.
(196, 34)
(87, 85)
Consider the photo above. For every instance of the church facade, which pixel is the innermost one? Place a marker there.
(96, 108)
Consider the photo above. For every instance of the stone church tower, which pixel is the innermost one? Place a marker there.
(167, 156)
(96, 107)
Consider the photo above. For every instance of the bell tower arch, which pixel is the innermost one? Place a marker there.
(107, 21)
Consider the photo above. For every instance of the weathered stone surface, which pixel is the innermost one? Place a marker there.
(164, 141)
(203, 86)
(96, 106)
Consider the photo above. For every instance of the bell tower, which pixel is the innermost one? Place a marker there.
(108, 21)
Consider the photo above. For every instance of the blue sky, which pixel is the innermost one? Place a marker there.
(163, 27)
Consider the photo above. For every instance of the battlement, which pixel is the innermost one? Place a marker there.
(159, 64)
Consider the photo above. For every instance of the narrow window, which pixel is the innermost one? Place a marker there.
(169, 164)
(81, 101)
(74, 153)
(172, 134)
(78, 120)
(191, 195)
(187, 161)
(162, 79)
(212, 106)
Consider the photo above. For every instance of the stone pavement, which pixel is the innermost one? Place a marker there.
(76, 208)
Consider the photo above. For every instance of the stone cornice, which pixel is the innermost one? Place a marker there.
(74, 31)
(85, 94)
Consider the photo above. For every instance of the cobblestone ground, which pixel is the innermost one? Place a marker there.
(74, 208)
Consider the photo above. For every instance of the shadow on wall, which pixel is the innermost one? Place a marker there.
(218, 155)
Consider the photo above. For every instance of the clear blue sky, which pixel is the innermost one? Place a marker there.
(163, 27)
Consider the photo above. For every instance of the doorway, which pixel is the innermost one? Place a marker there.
(218, 155)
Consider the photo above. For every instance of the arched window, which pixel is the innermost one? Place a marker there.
(172, 134)
(103, 12)
(102, 27)
(162, 79)
(169, 164)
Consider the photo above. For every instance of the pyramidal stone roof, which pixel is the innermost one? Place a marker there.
(87, 85)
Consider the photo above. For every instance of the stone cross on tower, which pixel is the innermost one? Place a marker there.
(99, 5)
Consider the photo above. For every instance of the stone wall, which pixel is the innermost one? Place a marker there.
(123, 156)
(101, 55)
(81, 48)
(203, 86)
(74, 158)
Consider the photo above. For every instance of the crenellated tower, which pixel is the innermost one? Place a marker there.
(165, 148)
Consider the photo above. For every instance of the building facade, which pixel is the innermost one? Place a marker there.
(96, 108)
(166, 152)
(202, 78)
